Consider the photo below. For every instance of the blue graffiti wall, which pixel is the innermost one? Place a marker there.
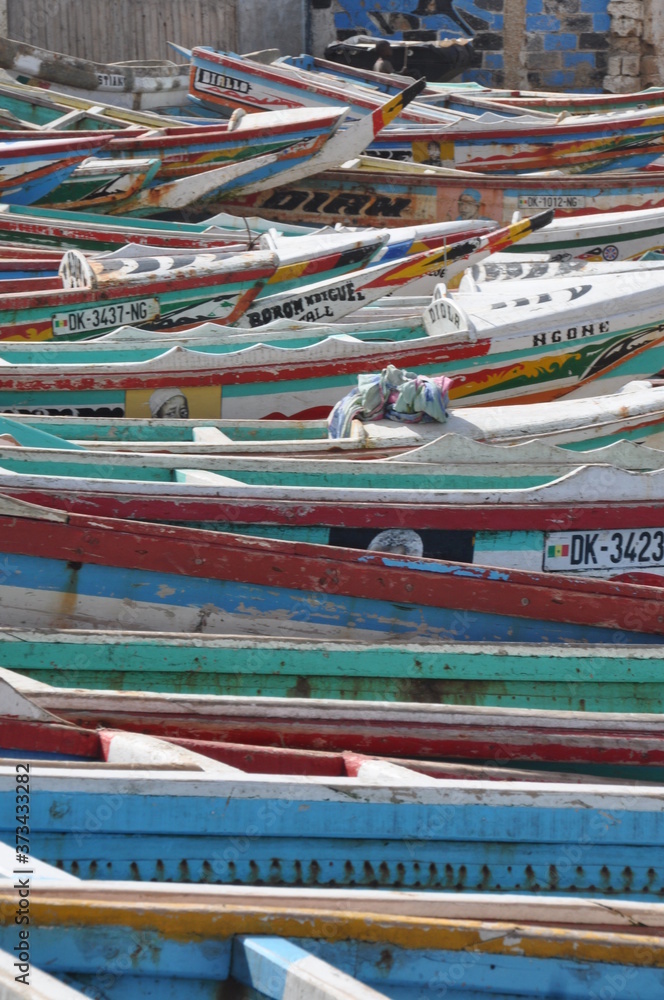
(566, 42)
(415, 19)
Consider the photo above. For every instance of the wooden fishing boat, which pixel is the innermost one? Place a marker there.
(85, 231)
(252, 150)
(567, 315)
(371, 191)
(485, 740)
(622, 140)
(66, 570)
(574, 103)
(137, 85)
(96, 183)
(606, 424)
(322, 943)
(217, 285)
(29, 170)
(606, 236)
(29, 734)
(466, 97)
(222, 82)
(36, 108)
(218, 669)
(233, 383)
(251, 153)
(385, 827)
(529, 358)
(80, 301)
(88, 232)
(301, 259)
(595, 521)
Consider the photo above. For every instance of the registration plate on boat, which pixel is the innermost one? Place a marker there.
(552, 201)
(105, 315)
(626, 548)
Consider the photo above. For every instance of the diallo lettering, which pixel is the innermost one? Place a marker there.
(206, 79)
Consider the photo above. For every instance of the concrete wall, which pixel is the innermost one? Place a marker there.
(652, 59)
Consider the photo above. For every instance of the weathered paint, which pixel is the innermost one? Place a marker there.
(223, 79)
(378, 193)
(129, 84)
(490, 738)
(392, 953)
(596, 840)
(30, 169)
(578, 678)
(590, 337)
(518, 517)
(71, 570)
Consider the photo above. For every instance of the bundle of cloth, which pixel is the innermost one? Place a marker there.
(394, 394)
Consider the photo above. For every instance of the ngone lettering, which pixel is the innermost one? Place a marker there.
(206, 79)
(571, 333)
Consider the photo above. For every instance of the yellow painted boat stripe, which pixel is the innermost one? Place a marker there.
(184, 920)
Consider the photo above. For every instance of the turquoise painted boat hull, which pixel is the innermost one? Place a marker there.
(600, 678)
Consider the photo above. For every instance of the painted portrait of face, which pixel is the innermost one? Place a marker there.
(169, 404)
(469, 203)
(402, 541)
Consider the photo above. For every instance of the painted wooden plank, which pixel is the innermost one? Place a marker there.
(502, 958)
(373, 192)
(137, 748)
(19, 981)
(282, 970)
(438, 588)
(577, 677)
(589, 839)
(36, 869)
(576, 911)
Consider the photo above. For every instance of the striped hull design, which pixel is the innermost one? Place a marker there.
(220, 80)
(163, 303)
(474, 515)
(376, 198)
(305, 384)
(30, 170)
(309, 945)
(577, 678)
(432, 834)
(101, 184)
(594, 424)
(87, 231)
(65, 571)
(576, 740)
